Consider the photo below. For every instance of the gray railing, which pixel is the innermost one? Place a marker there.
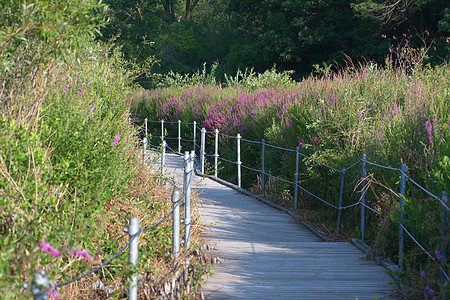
(42, 286)
(442, 199)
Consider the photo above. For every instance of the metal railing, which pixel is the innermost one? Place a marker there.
(42, 286)
(442, 199)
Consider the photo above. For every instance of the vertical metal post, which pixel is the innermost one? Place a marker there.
(40, 285)
(176, 223)
(163, 157)
(195, 134)
(216, 151)
(444, 243)
(401, 232)
(239, 159)
(363, 198)
(297, 163)
(187, 197)
(202, 151)
(146, 127)
(145, 143)
(133, 228)
(263, 170)
(179, 136)
(162, 130)
(341, 201)
(185, 178)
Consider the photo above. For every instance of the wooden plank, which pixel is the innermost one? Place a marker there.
(266, 256)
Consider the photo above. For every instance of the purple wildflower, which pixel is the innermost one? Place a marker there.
(301, 143)
(315, 139)
(54, 294)
(92, 107)
(360, 114)
(422, 274)
(81, 253)
(395, 109)
(45, 247)
(116, 140)
(438, 255)
(429, 129)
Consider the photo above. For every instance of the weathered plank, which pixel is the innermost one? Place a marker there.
(266, 256)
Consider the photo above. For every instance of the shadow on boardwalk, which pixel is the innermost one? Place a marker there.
(266, 256)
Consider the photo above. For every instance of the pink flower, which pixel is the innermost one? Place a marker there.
(54, 294)
(45, 247)
(81, 253)
(360, 114)
(116, 140)
(438, 255)
(92, 107)
(301, 143)
(395, 109)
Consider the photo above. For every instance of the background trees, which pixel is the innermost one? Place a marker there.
(290, 34)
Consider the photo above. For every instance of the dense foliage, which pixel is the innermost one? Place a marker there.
(391, 116)
(293, 35)
(71, 174)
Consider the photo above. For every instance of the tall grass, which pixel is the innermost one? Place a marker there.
(389, 114)
(71, 174)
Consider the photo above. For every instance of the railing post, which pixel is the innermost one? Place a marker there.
(163, 157)
(363, 198)
(188, 201)
(195, 134)
(162, 130)
(239, 159)
(341, 201)
(297, 163)
(202, 151)
(133, 228)
(263, 170)
(146, 127)
(401, 232)
(185, 176)
(176, 224)
(40, 285)
(179, 136)
(444, 242)
(216, 151)
(145, 143)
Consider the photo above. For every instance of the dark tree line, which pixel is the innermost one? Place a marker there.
(291, 34)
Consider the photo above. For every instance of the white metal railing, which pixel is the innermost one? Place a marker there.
(442, 199)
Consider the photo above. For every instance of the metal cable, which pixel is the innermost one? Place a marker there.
(251, 169)
(250, 141)
(187, 123)
(370, 208)
(348, 168)
(380, 166)
(226, 135)
(232, 162)
(423, 249)
(317, 197)
(351, 205)
(425, 190)
(280, 148)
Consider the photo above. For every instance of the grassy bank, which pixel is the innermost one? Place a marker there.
(71, 174)
(393, 115)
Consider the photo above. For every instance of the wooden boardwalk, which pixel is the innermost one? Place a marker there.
(266, 256)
